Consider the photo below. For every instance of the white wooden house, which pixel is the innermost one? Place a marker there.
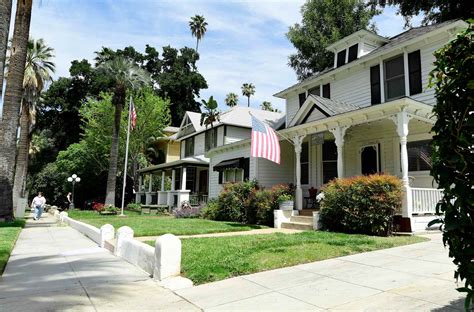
(369, 113)
(189, 174)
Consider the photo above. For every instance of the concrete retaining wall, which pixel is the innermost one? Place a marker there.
(88, 230)
(139, 254)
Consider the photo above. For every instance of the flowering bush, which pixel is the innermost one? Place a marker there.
(186, 211)
(98, 206)
(363, 204)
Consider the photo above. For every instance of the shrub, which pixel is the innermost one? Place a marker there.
(134, 207)
(186, 211)
(363, 204)
(246, 202)
(98, 206)
(284, 197)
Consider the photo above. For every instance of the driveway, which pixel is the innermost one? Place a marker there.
(416, 277)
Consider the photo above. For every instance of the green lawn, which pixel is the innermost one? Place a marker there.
(158, 225)
(210, 259)
(8, 234)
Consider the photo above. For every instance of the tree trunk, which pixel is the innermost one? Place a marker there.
(21, 169)
(248, 101)
(11, 106)
(118, 101)
(5, 14)
(197, 44)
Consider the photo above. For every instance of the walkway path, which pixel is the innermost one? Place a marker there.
(416, 277)
(56, 268)
(239, 233)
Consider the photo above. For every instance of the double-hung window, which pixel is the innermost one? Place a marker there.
(189, 147)
(329, 161)
(394, 78)
(211, 139)
(233, 175)
(304, 162)
(419, 155)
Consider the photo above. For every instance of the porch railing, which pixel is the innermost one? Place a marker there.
(425, 199)
(197, 199)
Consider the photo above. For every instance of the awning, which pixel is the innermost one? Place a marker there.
(230, 164)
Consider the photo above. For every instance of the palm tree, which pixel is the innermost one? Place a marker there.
(198, 24)
(248, 89)
(38, 70)
(11, 106)
(267, 106)
(125, 75)
(5, 14)
(211, 114)
(232, 99)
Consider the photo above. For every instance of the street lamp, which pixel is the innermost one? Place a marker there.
(73, 179)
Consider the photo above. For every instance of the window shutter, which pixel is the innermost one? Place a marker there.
(327, 91)
(353, 53)
(246, 166)
(375, 84)
(220, 177)
(302, 98)
(341, 58)
(414, 69)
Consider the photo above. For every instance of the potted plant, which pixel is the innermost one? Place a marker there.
(109, 210)
(286, 202)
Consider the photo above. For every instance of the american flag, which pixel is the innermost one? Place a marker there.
(133, 116)
(264, 142)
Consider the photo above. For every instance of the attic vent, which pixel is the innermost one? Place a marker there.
(341, 58)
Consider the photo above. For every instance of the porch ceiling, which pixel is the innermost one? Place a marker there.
(199, 161)
(415, 109)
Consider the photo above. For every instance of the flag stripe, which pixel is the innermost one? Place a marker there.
(264, 142)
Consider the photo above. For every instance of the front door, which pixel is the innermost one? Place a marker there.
(370, 162)
(203, 181)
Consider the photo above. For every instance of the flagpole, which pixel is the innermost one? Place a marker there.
(126, 157)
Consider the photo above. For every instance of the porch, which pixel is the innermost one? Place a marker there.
(170, 184)
(391, 138)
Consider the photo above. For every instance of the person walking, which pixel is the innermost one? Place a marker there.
(38, 203)
(69, 200)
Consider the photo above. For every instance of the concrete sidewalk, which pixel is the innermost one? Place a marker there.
(55, 268)
(416, 277)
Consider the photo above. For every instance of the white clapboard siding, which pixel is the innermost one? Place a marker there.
(235, 134)
(270, 173)
(353, 88)
(242, 151)
(220, 136)
(292, 106)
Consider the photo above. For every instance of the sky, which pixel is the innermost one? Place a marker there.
(245, 40)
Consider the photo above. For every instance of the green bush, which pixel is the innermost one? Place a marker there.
(363, 204)
(246, 202)
(134, 207)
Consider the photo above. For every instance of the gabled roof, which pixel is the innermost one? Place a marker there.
(238, 116)
(326, 106)
(394, 42)
(363, 33)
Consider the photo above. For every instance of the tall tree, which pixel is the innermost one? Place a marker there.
(38, 70)
(126, 76)
(11, 106)
(248, 89)
(324, 22)
(231, 99)
(434, 11)
(267, 106)
(198, 26)
(5, 15)
(211, 114)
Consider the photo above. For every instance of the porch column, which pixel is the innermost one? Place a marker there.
(339, 133)
(163, 181)
(150, 183)
(297, 141)
(173, 177)
(183, 179)
(402, 129)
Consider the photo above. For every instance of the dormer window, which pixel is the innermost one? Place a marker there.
(353, 53)
(341, 58)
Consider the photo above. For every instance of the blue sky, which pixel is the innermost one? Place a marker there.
(245, 41)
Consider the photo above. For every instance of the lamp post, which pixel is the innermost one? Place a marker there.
(73, 179)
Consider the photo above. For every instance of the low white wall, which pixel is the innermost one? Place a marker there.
(280, 216)
(139, 254)
(88, 230)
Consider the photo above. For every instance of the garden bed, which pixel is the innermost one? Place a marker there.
(206, 260)
(9, 232)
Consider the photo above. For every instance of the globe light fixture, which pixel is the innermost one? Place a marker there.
(73, 179)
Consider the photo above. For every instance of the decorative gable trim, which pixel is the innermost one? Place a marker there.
(306, 109)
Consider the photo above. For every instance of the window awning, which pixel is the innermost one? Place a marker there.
(230, 164)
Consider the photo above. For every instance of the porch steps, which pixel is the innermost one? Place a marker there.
(303, 223)
(307, 212)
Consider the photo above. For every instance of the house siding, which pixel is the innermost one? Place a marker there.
(243, 151)
(292, 107)
(270, 173)
(235, 134)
